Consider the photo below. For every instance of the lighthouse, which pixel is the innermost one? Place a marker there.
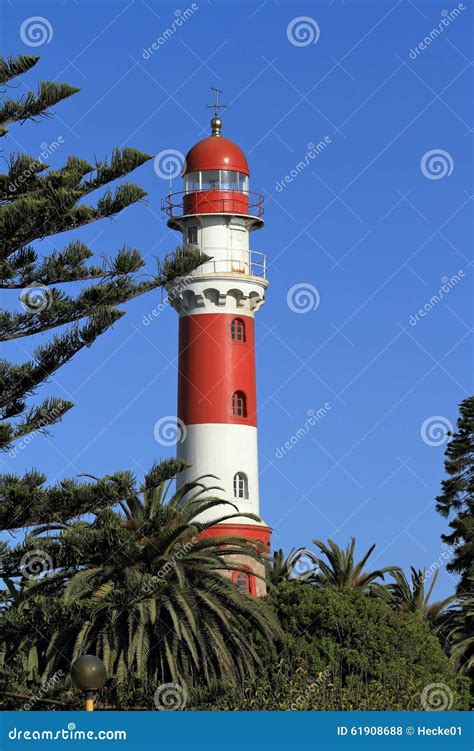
(217, 403)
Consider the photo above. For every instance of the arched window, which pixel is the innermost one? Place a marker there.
(241, 485)
(245, 580)
(242, 581)
(239, 404)
(237, 330)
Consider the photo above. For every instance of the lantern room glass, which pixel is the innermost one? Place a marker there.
(192, 182)
(216, 180)
(229, 180)
(243, 183)
(210, 179)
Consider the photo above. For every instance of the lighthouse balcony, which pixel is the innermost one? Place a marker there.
(185, 203)
(228, 261)
(236, 282)
(249, 263)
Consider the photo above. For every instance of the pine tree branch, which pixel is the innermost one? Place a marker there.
(19, 381)
(36, 420)
(29, 219)
(68, 265)
(25, 174)
(33, 105)
(26, 502)
(21, 177)
(57, 309)
(11, 67)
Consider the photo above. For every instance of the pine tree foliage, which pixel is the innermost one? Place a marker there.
(460, 636)
(33, 104)
(457, 497)
(135, 584)
(37, 202)
(11, 67)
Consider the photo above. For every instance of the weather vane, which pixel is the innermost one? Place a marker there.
(216, 106)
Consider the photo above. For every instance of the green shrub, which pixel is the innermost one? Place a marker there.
(343, 650)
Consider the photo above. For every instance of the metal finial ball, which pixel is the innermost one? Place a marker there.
(88, 673)
(216, 125)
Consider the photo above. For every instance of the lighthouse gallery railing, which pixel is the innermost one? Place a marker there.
(249, 262)
(225, 202)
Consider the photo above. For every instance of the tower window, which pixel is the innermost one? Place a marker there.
(245, 580)
(192, 235)
(242, 581)
(241, 485)
(239, 404)
(237, 330)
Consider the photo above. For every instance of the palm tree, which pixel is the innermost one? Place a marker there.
(279, 569)
(143, 590)
(341, 571)
(412, 597)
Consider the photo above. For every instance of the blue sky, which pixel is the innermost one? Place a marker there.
(372, 223)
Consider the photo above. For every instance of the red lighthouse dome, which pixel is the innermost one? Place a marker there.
(216, 153)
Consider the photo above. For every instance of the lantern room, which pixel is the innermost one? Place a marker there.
(215, 181)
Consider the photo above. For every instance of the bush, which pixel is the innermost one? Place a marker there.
(343, 650)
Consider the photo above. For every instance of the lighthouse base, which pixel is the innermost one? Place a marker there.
(249, 573)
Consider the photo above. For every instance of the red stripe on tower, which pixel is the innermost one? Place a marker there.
(216, 382)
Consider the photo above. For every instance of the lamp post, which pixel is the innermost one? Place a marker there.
(88, 674)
